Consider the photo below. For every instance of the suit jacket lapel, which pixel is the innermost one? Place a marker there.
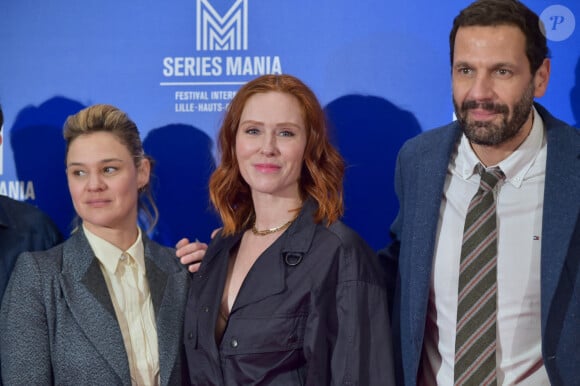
(85, 290)
(428, 185)
(561, 206)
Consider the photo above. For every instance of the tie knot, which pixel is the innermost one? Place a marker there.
(489, 178)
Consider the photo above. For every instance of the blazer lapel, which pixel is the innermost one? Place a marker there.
(85, 290)
(168, 290)
(428, 185)
(157, 280)
(561, 206)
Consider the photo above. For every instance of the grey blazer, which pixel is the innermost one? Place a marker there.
(58, 324)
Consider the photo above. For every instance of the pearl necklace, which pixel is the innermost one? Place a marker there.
(271, 230)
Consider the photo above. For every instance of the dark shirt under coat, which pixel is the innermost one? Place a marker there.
(311, 311)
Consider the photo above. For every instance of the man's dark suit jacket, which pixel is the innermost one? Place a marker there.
(419, 183)
(23, 228)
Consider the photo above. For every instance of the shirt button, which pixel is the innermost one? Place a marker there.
(234, 343)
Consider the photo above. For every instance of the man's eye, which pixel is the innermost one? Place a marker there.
(504, 72)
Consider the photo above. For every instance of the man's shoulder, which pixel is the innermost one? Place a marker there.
(21, 211)
(559, 133)
(560, 129)
(551, 121)
(23, 216)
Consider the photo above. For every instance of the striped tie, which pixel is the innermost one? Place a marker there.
(475, 342)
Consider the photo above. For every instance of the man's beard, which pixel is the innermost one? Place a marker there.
(489, 133)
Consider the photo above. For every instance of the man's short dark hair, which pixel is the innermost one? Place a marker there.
(491, 13)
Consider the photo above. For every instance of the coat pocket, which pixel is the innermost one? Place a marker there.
(264, 350)
(263, 335)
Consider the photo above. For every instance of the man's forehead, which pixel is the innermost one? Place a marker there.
(493, 43)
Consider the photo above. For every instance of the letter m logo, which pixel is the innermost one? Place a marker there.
(220, 33)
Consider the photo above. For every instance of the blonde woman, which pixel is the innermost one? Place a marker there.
(106, 306)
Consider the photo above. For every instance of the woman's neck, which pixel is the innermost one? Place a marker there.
(272, 212)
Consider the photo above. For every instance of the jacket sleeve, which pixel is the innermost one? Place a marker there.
(24, 340)
(389, 256)
(354, 345)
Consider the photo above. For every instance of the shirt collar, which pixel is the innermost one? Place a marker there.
(516, 165)
(110, 256)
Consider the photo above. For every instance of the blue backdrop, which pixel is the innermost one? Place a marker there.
(380, 68)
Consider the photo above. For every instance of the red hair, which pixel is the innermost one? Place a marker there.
(322, 170)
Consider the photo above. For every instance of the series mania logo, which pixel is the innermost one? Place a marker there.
(219, 37)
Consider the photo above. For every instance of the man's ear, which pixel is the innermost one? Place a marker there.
(541, 78)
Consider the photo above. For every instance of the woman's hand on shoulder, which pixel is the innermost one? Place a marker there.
(190, 254)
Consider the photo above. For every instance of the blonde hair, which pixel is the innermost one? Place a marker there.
(107, 118)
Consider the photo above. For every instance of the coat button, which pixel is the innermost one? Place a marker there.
(234, 343)
(205, 309)
(190, 335)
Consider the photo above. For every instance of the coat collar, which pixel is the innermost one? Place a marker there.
(269, 271)
(285, 253)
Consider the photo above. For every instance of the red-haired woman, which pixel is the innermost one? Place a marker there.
(286, 293)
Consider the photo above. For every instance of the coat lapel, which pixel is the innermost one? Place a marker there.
(85, 290)
(208, 285)
(267, 275)
(266, 285)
